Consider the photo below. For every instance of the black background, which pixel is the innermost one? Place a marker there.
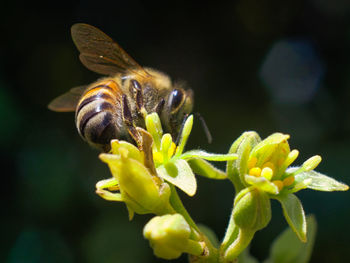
(222, 50)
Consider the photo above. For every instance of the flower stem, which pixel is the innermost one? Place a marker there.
(176, 203)
(209, 254)
(243, 239)
(230, 235)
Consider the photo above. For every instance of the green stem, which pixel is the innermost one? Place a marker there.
(242, 241)
(209, 252)
(230, 235)
(195, 248)
(176, 203)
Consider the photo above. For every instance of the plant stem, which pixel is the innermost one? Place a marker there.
(210, 253)
(243, 239)
(230, 235)
(178, 206)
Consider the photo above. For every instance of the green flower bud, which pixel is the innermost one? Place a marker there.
(169, 236)
(252, 209)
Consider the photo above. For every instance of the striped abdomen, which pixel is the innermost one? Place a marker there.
(98, 114)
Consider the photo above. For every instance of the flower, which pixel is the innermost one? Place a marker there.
(176, 166)
(141, 178)
(265, 165)
(141, 190)
(262, 172)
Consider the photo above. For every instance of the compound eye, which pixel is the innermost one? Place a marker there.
(176, 98)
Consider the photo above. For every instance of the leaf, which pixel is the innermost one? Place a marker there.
(287, 248)
(180, 174)
(208, 156)
(321, 182)
(294, 213)
(204, 168)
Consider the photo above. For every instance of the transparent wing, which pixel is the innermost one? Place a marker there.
(68, 101)
(99, 53)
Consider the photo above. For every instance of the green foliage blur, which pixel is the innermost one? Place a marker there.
(256, 65)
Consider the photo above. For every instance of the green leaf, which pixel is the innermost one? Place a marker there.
(204, 168)
(294, 213)
(180, 174)
(287, 248)
(262, 183)
(320, 182)
(208, 156)
(245, 257)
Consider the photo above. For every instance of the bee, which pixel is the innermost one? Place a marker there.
(115, 105)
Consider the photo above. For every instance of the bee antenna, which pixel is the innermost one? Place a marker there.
(205, 127)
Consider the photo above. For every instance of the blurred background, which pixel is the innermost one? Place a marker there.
(254, 65)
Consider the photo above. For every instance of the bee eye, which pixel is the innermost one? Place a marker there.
(176, 98)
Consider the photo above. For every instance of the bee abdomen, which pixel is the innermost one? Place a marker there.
(97, 114)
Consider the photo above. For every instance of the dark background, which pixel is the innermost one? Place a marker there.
(254, 65)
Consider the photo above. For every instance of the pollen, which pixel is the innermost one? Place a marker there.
(252, 162)
(279, 184)
(255, 171)
(288, 181)
(267, 172)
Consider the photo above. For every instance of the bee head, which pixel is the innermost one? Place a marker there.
(177, 106)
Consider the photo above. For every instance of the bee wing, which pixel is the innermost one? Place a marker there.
(99, 53)
(67, 101)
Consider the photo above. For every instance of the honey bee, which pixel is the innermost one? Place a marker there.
(113, 106)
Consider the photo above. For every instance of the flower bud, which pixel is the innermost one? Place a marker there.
(169, 236)
(252, 209)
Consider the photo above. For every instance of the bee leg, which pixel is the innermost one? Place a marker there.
(139, 97)
(128, 120)
(159, 108)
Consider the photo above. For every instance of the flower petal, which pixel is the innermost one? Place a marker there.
(180, 174)
(209, 156)
(242, 147)
(275, 145)
(133, 151)
(262, 183)
(321, 182)
(206, 169)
